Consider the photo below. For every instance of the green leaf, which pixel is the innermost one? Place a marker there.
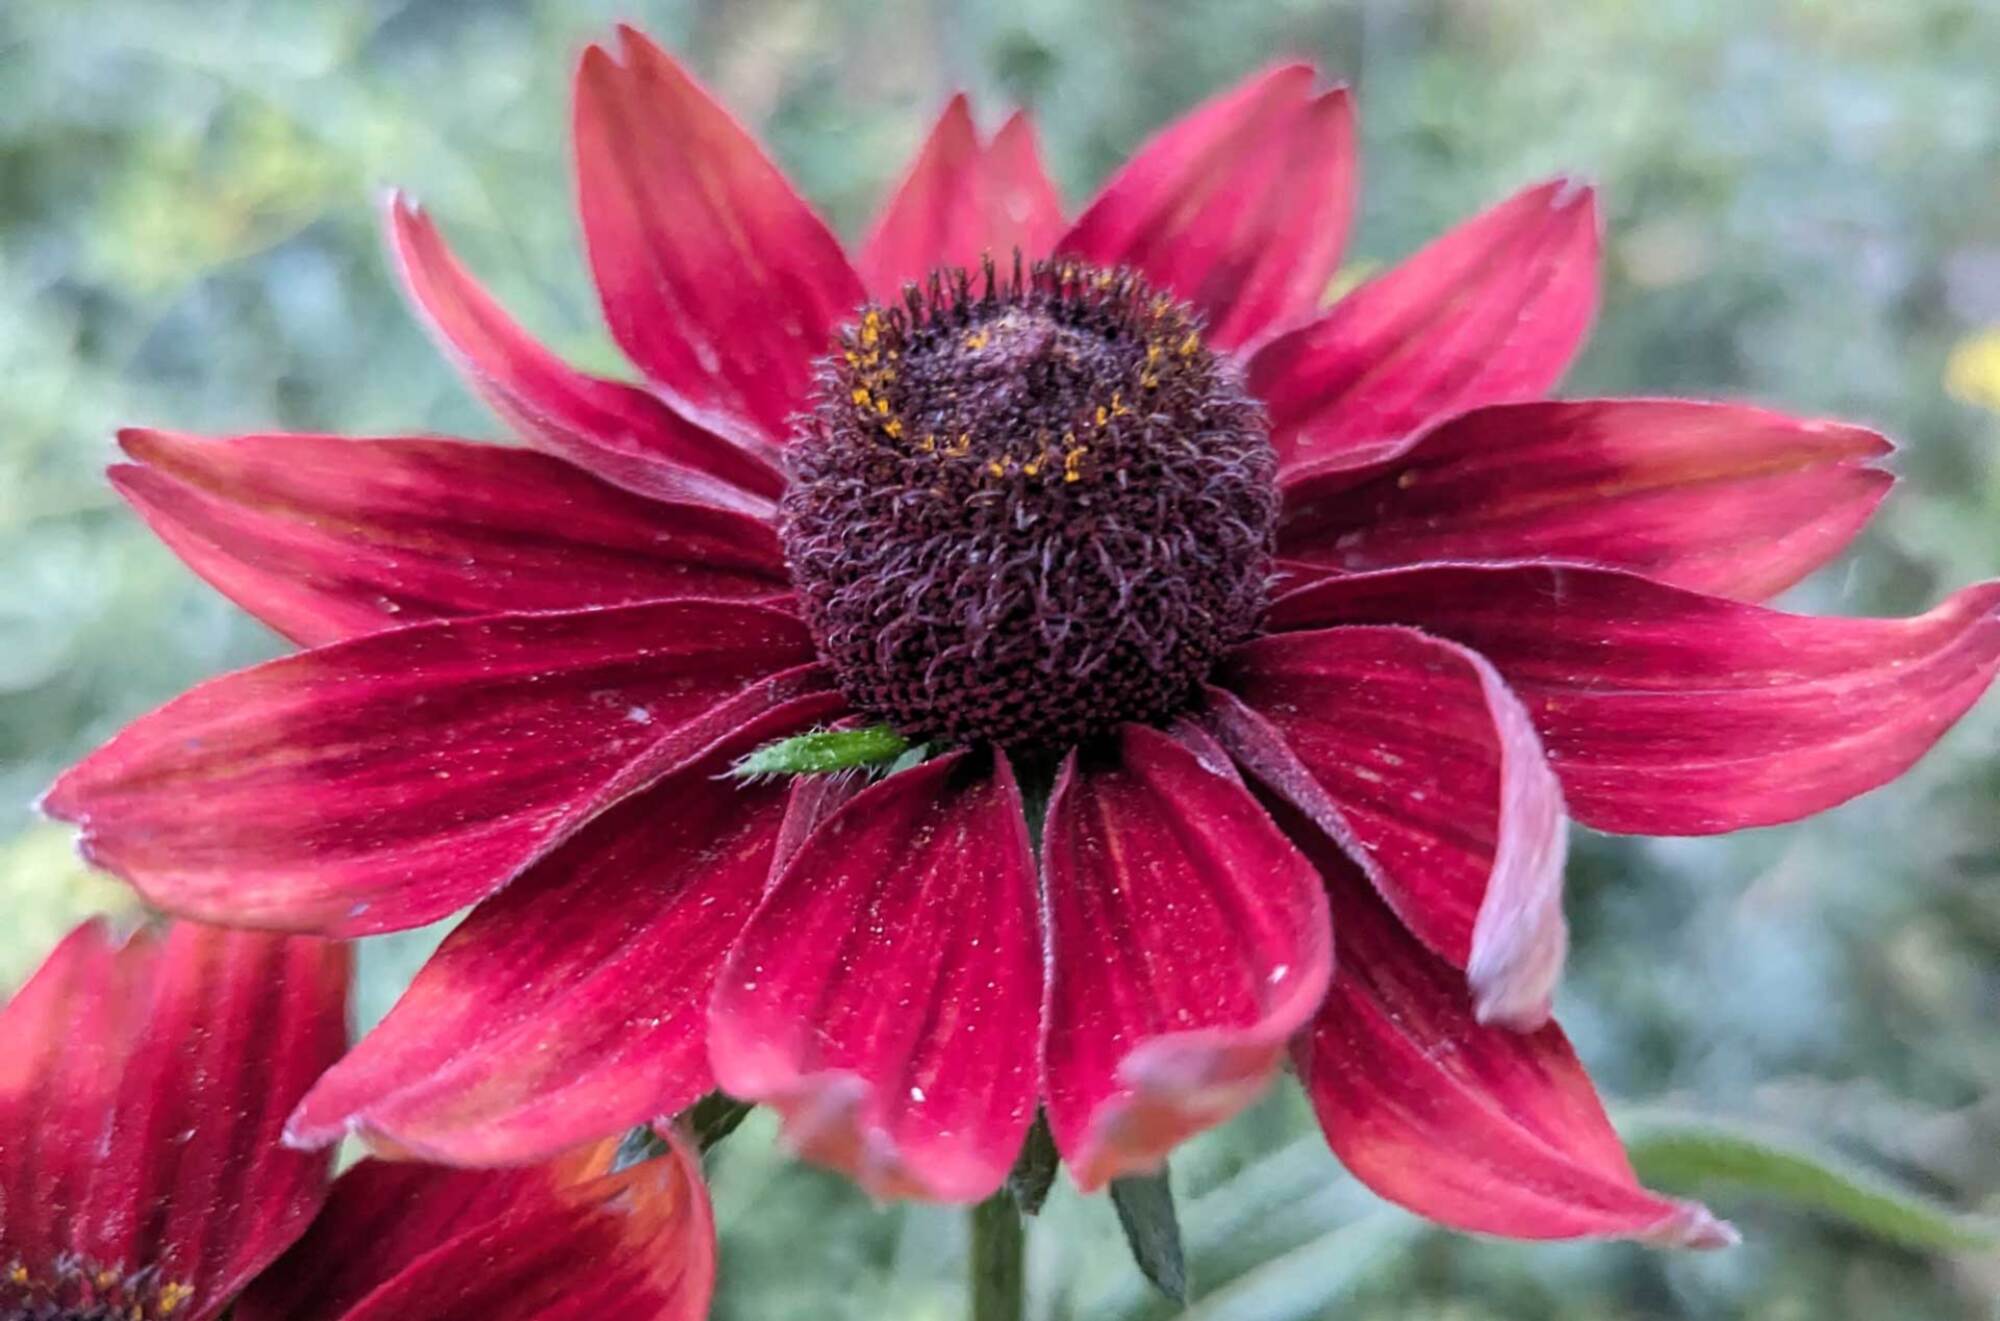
(1689, 1155)
(1145, 1205)
(824, 752)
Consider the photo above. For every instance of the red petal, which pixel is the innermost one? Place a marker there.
(562, 1242)
(141, 1094)
(1491, 312)
(325, 538)
(572, 1004)
(961, 201)
(385, 782)
(617, 431)
(1480, 1128)
(716, 278)
(1718, 497)
(1241, 207)
(1189, 940)
(1666, 712)
(887, 995)
(1414, 755)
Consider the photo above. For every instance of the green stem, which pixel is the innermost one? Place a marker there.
(998, 1257)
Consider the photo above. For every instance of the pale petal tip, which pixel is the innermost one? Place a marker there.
(1694, 1226)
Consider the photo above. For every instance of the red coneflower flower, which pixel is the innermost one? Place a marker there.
(1304, 628)
(143, 1087)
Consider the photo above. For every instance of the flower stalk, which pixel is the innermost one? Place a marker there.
(999, 1260)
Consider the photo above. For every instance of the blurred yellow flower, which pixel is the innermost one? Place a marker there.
(1972, 373)
(45, 889)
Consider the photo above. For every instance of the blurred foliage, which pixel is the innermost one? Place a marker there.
(1803, 205)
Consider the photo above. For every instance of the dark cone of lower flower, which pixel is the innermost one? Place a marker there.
(1025, 508)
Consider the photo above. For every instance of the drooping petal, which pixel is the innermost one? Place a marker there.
(887, 996)
(567, 1241)
(716, 278)
(1412, 753)
(1188, 941)
(385, 782)
(325, 538)
(617, 431)
(1241, 207)
(1667, 712)
(142, 1090)
(573, 1004)
(1479, 1128)
(961, 201)
(1491, 312)
(1721, 498)
(64, 1039)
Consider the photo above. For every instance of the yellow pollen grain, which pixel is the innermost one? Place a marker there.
(1073, 464)
(894, 426)
(1103, 415)
(173, 1296)
(882, 407)
(976, 340)
(17, 1273)
(860, 395)
(958, 447)
(928, 443)
(1190, 344)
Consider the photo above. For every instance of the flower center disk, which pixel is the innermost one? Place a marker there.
(1027, 507)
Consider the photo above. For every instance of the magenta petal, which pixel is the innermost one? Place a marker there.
(1241, 207)
(141, 1093)
(887, 995)
(1479, 1128)
(1412, 753)
(716, 278)
(1188, 941)
(1721, 498)
(572, 1004)
(568, 1241)
(325, 538)
(961, 201)
(1666, 712)
(616, 431)
(385, 782)
(1491, 312)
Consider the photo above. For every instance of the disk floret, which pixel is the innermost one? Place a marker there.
(1028, 506)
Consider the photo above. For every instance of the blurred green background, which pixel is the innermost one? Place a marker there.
(1803, 203)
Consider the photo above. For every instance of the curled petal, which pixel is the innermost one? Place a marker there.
(572, 1003)
(716, 278)
(1667, 712)
(1491, 312)
(887, 995)
(1412, 753)
(142, 1088)
(618, 432)
(568, 1241)
(1188, 941)
(1241, 207)
(387, 781)
(961, 201)
(325, 538)
(1721, 498)
(1479, 1128)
